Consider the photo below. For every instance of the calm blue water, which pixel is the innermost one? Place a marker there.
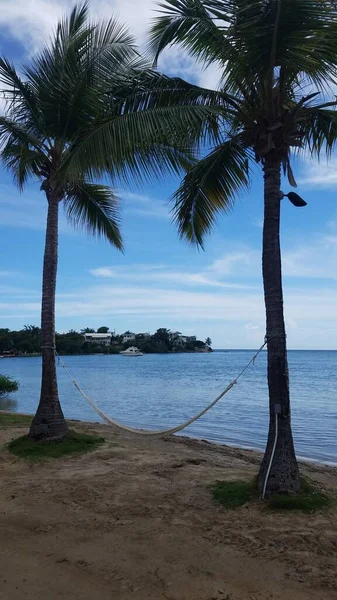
(164, 390)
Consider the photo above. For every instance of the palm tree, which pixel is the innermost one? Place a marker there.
(278, 60)
(87, 106)
(208, 341)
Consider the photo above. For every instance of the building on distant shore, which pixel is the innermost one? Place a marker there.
(128, 337)
(180, 340)
(144, 336)
(103, 339)
(173, 335)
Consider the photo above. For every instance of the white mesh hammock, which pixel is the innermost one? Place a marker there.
(162, 432)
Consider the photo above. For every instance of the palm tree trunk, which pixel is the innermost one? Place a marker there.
(49, 422)
(284, 473)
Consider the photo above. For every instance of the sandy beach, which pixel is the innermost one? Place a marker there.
(135, 519)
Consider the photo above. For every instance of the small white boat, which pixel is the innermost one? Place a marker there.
(132, 351)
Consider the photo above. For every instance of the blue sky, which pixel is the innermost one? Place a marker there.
(161, 281)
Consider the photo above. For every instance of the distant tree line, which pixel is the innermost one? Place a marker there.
(27, 341)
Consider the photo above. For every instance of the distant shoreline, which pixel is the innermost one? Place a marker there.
(214, 350)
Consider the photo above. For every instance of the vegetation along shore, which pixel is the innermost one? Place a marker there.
(27, 342)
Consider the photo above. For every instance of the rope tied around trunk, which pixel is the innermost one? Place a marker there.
(282, 335)
(171, 430)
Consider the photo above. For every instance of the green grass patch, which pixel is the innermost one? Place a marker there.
(232, 494)
(308, 499)
(24, 447)
(13, 419)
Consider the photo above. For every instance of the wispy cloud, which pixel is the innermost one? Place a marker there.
(251, 327)
(158, 274)
(321, 175)
(235, 262)
(184, 301)
(237, 269)
(316, 260)
(32, 22)
(308, 315)
(27, 210)
(143, 205)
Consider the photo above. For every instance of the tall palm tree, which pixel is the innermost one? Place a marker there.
(278, 61)
(86, 107)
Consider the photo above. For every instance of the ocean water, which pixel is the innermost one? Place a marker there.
(162, 390)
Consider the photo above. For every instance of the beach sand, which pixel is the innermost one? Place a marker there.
(135, 520)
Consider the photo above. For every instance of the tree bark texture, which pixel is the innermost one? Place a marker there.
(49, 422)
(284, 474)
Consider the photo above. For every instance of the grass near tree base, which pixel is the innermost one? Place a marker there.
(25, 447)
(232, 494)
(13, 419)
(308, 499)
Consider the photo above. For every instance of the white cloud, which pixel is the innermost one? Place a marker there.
(209, 302)
(311, 318)
(251, 327)
(316, 260)
(236, 262)
(321, 175)
(236, 270)
(31, 22)
(155, 273)
(27, 210)
(143, 206)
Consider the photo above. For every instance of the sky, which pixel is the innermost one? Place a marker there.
(161, 281)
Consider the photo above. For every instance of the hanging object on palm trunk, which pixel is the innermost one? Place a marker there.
(295, 199)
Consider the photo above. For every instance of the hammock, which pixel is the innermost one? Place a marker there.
(162, 432)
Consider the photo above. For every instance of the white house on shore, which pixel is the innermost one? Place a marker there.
(180, 340)
(103, 339)
(128, 337)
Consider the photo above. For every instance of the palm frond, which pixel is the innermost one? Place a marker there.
(210, 187)
(150, 89)
(21, 100)
(252, 39)
(20, 133)
(56, 70)
(95, 208)
(22, 161)
(319, 130)
(143, 143)
(304, 33)
(110, 61)
(71, 26)
(191, 24)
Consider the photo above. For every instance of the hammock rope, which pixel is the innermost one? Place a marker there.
(160, 432)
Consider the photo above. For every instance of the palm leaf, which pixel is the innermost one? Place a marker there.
(210, 187)
(20, 97)
(143, 143)
(190, 23)
(20, 133)
(95, 208)
(251, 39)
(319, 130)
(22, 161)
